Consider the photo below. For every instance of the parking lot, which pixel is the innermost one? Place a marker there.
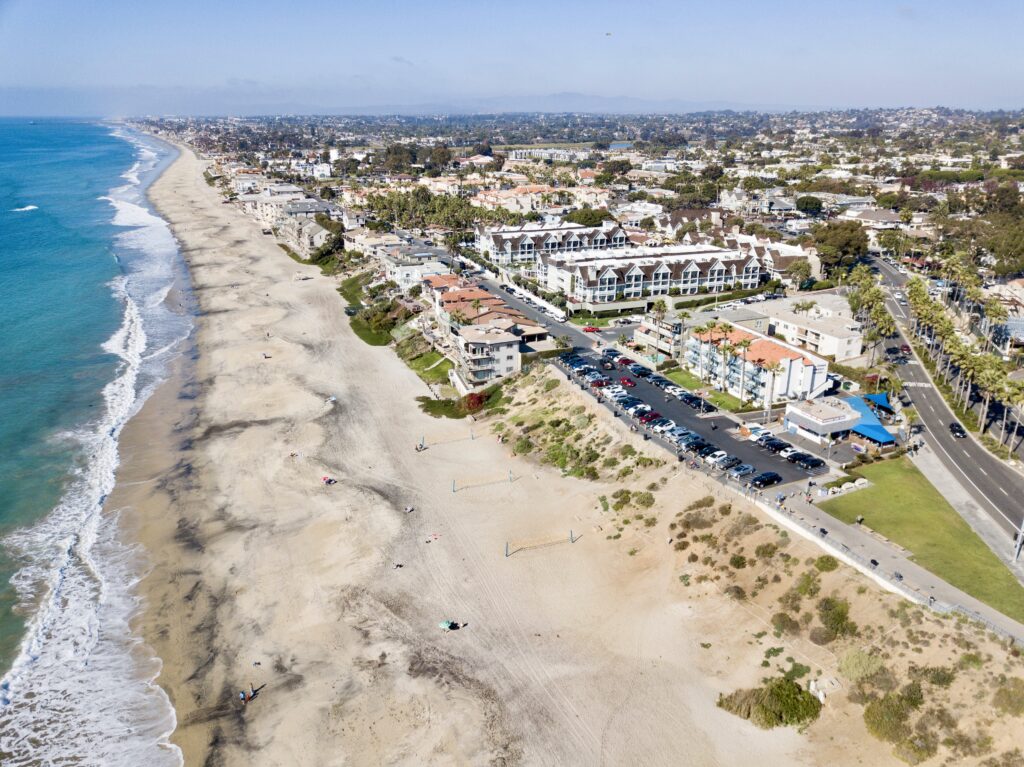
(712, 428)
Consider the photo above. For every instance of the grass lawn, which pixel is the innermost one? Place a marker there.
(902, 505)
(597, 322)
(368, 334)
(351, 289)
(438, 370)
(688, 380)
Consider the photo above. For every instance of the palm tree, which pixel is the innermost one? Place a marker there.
(995, 315)
(743, 346)
(1017, 398)
(700, 331)
(659, 309)
(990, 380)
(726, 349)
(774, 369)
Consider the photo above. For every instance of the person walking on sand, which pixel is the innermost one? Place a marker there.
(242, 696)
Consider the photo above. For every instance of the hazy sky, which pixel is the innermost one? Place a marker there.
(147, 56)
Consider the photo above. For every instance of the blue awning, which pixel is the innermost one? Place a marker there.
(869, 426)
(881, 400)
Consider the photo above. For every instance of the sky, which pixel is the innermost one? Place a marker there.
(135, 57)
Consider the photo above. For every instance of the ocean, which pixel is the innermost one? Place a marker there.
(95, 305)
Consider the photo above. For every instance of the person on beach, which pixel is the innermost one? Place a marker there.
(242, 696)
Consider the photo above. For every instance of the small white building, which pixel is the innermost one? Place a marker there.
(823, 421)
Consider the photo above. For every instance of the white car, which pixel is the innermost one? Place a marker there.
(716, 457)
(638, 409)
(674, 390)
(788, 451)
(664, 427)
(756, 432)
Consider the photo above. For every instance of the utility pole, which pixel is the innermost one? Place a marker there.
(1018, 541)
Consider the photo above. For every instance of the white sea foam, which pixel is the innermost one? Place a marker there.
(81, 690)
(25, 209)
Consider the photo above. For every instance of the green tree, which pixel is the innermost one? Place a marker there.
(587, 216)
(809, 204)
(840, 243)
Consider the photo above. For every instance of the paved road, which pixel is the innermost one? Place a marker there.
(998, 489)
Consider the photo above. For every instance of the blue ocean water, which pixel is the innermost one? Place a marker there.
(94, 306)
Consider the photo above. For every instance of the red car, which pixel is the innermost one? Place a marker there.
(591, 329)
(649, 416)
(599, 383)
(629, 383)
(624, 361)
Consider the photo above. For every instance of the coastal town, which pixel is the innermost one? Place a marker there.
(815, 318)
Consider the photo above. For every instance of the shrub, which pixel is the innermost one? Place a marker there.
(736, 592)
(821, 635)
(835, 616)
(940, 676)
(702, 503)
(523, 446)
(857, 665)
(644, 500)
(780, 702)
(551, 384)
(1009, 698)
(807, 585)
(737, 561)
(765, 551)
(785, 624)
(886, 718)
(627, 450)
(826, 563)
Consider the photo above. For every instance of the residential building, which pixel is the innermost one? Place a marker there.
(660, 335)
(767, 371)
(505, 245)
(303, 235)
(483, 356)
(598, 279)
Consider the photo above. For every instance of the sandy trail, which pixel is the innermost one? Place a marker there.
(573, 654)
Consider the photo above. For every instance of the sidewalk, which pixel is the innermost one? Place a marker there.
(981, 523)
(857, 547)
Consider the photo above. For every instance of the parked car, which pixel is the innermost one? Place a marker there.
(609, 352)
(624, 361)
(649, 416)
(591, 329)
(765, 438)
(786, 452)
(811, 463)
(696, 445)
(797, 456)
(727, 463)
(715, 457)
(767, 479)
(707, 451)
(599, 383)
(743, 470)
(659, 381)
(664, 426)
(905, 348)
(756, 432)
(627, 382)
(776, 446)
(957, 430)
(674, 390)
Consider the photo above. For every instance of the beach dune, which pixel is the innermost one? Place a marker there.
(262, 575)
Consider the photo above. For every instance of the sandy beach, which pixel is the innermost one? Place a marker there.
(573, 654)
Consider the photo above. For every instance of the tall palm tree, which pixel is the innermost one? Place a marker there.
(726, 349)
(1017, 398)
(990, 381)
(773, 370)
(742, 346)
